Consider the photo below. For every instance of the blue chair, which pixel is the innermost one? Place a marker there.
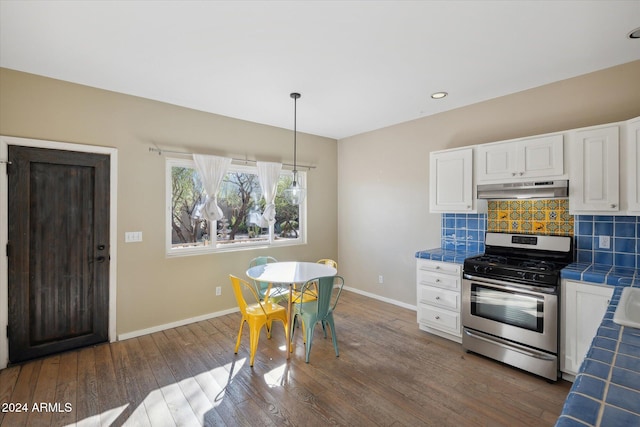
(319, 310)
(264, 290)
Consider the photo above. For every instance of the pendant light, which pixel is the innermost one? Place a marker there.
(295, 193)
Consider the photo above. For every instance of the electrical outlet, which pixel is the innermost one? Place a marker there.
(218, 291)
(380, 279)
(604, 242)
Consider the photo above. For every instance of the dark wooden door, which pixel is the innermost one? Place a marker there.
(58, 251)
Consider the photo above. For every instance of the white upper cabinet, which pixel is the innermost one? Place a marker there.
(633, 163)
(594, 178)
(538, 157)
(451, 181)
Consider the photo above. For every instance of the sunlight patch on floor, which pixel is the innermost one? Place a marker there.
(277, 376)
(106, 418)
(185, 402)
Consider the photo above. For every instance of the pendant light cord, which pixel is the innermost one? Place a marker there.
(295, 97)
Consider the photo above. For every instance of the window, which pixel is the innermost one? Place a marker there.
(240, 198)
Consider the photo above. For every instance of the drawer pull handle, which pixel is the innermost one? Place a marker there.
(437, 317)
(437, 298)
(437, 280)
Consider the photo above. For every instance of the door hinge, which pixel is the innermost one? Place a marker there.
(7, 331)
(8, 249)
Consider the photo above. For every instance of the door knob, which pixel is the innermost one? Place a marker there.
(101, 247)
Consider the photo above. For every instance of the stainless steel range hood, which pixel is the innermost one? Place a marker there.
(524, 190)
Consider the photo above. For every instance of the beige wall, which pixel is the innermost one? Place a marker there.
(373, 226)
(154, 290)
(383, 216)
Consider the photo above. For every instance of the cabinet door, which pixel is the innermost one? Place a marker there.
(633, 159)
(594, 179)
(541, 157)
(451, 181)
(584, 308)
(497, 161)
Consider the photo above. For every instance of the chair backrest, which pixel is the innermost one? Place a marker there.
(329, 262)
(261, 260)
(261, 287)
(242, 288)
(329, 290)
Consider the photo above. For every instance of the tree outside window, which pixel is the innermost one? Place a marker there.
(241, 201)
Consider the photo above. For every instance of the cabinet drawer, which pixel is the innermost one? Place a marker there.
(439, 318)
(439, 297)
(439, 280)
(427, 265)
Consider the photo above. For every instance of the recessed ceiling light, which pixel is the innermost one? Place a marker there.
(635, 34)
(439, 95)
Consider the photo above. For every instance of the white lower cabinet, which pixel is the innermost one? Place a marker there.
(438, 286)
(583, 308)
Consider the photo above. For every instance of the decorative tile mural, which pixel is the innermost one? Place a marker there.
(537, 216)
(465, 232)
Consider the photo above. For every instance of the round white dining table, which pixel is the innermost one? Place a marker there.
(290, 273)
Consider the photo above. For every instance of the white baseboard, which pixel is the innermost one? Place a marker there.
(383, 299)
(141, 332)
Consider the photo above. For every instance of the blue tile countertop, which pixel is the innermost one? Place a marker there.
(606, 391)
(440, 254)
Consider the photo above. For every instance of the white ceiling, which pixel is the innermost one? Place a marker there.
(360, 65)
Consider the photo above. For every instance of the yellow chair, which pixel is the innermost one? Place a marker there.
(329, 262)
(312, 292)
(257, 314)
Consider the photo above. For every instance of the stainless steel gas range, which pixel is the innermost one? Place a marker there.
(510, 300)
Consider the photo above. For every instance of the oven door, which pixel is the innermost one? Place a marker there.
(520, 313)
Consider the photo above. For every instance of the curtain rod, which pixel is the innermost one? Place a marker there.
(245, 161)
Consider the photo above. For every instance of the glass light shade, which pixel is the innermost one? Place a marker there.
(295, 194)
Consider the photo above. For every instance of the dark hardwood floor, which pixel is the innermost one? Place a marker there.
(389, 373)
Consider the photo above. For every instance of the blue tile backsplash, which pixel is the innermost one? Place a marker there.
(465, 232)
(624, 245)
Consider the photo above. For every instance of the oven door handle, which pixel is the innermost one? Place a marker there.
(510, 346)
(500, 284)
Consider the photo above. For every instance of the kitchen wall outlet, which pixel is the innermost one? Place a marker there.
(133, 236)
(380, 279)
(218, 291)
(604, 242)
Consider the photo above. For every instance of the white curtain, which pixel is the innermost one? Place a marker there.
(211, 170)
(269, 174)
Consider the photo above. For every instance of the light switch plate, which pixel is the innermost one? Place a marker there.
(133, 236)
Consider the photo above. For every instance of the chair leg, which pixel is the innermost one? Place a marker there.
(286, 331)
(239, 336)
(254, 337)
(269, 323)
(309, 338)
(293, 328)
(333, 334)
